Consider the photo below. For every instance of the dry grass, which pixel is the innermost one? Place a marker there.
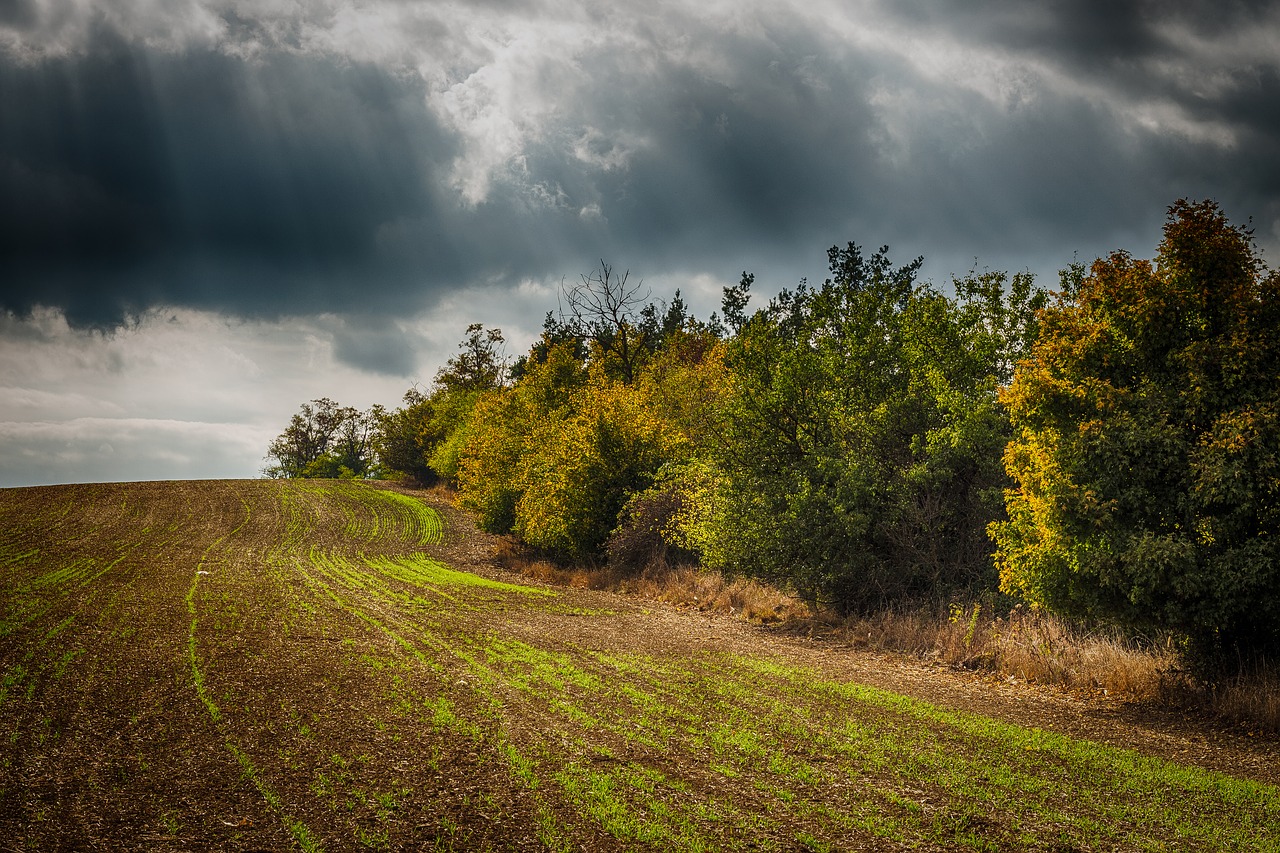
(1028, 646)
(1042, 649)
(705, 590)
(683, 586)
(1249, 698)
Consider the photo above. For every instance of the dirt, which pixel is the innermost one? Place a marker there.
(188, 682)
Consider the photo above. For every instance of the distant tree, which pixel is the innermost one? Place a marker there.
(557, 333)
(1147, 448)
(405, 435)
(479, 364)
(734, 303)
(324, 440)
(420, 439)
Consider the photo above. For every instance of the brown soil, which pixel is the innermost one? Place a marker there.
(304, 709)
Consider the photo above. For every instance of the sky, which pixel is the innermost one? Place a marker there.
(212, 211)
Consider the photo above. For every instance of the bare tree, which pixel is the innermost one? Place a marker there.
(606, 307)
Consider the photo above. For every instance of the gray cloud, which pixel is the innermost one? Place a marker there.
(111, 450)
(376, 345)
(213, 210)
(371, 161)
(132, 179)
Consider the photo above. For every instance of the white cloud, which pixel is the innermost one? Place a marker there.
(176, 394)
(123, 449)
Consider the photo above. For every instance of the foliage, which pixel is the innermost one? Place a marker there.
(479, 364)
(489, 461)
(1147, 443)
(556, 457)
(587, 464)
(325, 440)
(422, 439)
(859, 457)
(401, 433)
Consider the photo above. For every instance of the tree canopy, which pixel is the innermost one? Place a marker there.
(1147, 443)
(324, 440)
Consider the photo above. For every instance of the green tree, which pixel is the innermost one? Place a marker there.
(502, 437)
(557, 457)
(479, 364)
(406, 435)
(859, 461)
(421, 439)
(1147, 446)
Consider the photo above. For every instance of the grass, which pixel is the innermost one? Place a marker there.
(348, 689)
(683, 586)
(1020, 644)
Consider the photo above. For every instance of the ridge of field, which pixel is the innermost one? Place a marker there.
(284, 665)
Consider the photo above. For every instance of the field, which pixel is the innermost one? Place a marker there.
(334, 666)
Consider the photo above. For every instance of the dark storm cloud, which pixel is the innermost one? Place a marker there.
(19, 14)
(131, 178)
(1218, 61)
(1102, 35)
(813, 143)
(375, 345)
(722, 168)
(273, 177)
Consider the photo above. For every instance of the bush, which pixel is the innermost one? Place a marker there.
(645, 532)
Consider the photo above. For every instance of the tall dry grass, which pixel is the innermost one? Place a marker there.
(1028, 646)
(1039, 648)
(1252, 699)
(681, 585)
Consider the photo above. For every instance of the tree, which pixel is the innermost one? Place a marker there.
(479, 364)
(505, 431)
(606, 308)
(563, 334)
(556, 457)
(420, 439)
(859, 458)
(324, 440)
(405, 436)
(1147, 448)
(581, 468)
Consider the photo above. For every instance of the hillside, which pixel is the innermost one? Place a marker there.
(239, 665)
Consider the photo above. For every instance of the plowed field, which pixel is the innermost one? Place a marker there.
(267, 665)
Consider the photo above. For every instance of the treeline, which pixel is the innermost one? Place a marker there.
(1110, 451)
